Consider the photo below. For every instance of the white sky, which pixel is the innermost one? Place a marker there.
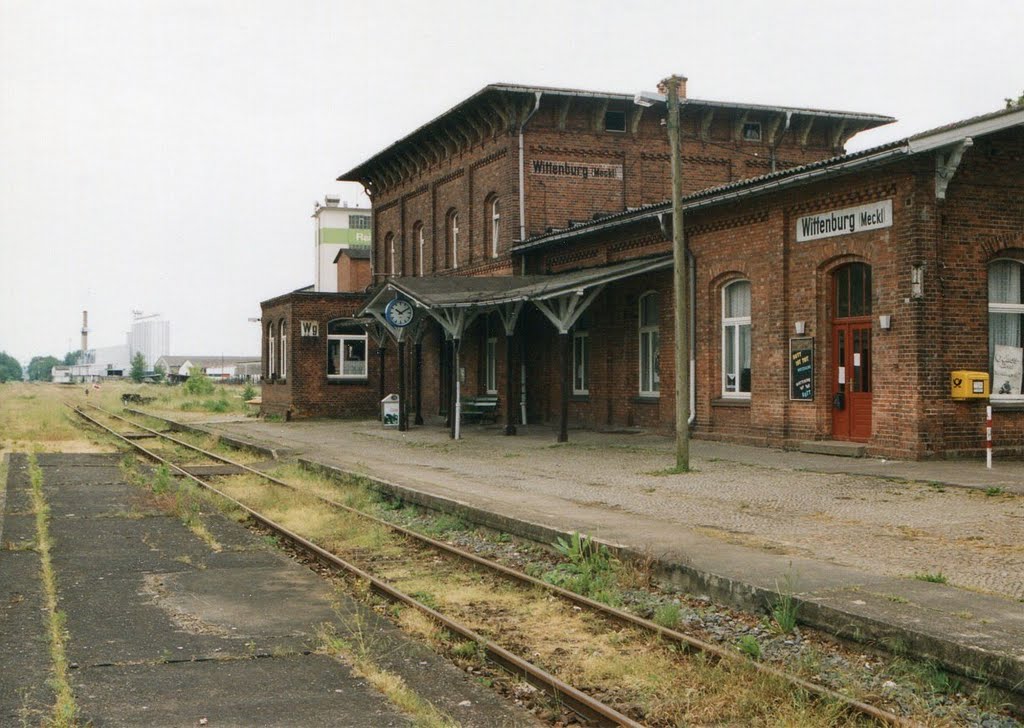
(165, 156)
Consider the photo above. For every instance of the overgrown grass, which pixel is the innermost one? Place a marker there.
(357, 650)
(937, 578)
(65, 710)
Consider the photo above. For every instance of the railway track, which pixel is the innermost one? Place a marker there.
(581, 701)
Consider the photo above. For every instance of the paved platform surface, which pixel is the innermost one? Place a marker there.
(165, 630)
(848, 535)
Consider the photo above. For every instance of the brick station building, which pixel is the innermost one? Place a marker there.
(833, 294)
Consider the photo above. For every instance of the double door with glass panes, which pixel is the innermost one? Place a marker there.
(851, 353)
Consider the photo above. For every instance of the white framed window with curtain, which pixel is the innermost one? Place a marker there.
(495, 226)
(736, 340)
(283, 329)
(346, 350)
(389, 242)
(422, 245)
(270, 351)
(650, 351)
(1006, 330)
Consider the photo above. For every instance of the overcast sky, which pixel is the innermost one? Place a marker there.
(165, 156)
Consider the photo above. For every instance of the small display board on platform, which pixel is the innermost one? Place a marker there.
(801, 368)
(389, 410)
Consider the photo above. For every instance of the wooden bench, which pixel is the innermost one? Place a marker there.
(478, 409)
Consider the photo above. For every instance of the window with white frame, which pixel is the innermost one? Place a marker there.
(270, 350)
(359, 222)
(650, 353)
(495, 211)
(736, 340)
(1006, 329)
(453, 236)
(346, 350)
(581, 356)
(283, 329)
(417, 233)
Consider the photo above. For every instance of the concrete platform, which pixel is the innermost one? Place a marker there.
(615, 488)
(164, 631)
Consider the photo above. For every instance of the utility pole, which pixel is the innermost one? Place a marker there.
(680, 283)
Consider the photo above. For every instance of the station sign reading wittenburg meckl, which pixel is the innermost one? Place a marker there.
(844, 222)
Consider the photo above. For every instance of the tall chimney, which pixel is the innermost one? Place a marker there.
(85, 331)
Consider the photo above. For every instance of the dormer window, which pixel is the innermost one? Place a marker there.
(615, 120)
(752, 131)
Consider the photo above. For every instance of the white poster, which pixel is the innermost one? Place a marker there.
(1007, 369)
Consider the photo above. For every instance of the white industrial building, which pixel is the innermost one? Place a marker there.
(337, 227)
(149, 336)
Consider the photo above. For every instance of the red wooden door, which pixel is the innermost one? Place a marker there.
(851, 380)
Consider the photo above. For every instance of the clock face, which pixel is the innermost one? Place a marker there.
(399, 312)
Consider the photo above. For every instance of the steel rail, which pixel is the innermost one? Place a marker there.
(581, 703)
(621, 616)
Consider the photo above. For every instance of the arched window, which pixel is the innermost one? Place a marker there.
(650, 352)
(452, 233)
(736, 340)
(270, 350)
(346, 350)
(283, 333)
(419, 244)
(1006, 329)
(492, 223)
(853, 290)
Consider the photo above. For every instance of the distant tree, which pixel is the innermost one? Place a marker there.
(137, 367)
(40, 366)
(198, 383)
(10, 369)
(160, 372)
(1011, 103)
(71, 358)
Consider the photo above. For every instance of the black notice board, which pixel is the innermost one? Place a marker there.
(801, 368)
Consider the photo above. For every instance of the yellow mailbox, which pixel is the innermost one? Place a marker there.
(968, 385)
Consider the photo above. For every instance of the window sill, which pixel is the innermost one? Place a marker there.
(1006, 406)
(646, 399)
(579, 397)
(730, 402)
(354, 380)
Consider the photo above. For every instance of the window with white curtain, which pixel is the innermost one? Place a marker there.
(283, 328)
(650, 353)
(270, 350)
(1006, 329)
(736, 340)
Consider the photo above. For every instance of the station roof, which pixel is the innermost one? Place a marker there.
(949, 135)
(490, 96)
(435, 292)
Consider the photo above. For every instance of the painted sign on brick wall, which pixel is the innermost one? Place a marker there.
(579, 170)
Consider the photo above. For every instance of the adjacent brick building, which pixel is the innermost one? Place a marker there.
(833, 295)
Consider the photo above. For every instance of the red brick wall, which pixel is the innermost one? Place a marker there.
(307, 392)
(353, 274)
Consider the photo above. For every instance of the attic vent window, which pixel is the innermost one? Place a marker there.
(752, 131)
(615, 121)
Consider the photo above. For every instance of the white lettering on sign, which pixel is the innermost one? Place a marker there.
(849, 220)
(580, 170)
(309, 328)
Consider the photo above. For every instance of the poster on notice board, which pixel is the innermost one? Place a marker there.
(801, 368)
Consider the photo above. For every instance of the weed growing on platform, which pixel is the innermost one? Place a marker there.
(937, 578)
(65, 709)
(785, 607)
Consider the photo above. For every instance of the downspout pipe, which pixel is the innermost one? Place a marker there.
(522, 175)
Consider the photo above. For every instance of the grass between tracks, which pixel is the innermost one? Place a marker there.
(65, 709)
(644, 677)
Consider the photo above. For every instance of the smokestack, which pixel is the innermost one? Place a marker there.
(85, 331)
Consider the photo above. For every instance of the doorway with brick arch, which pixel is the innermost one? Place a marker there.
(851, 352)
